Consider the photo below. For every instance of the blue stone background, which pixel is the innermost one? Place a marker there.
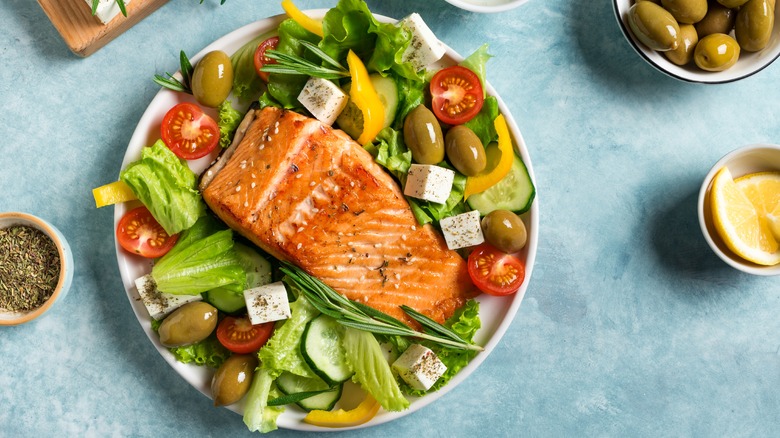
(630, 326)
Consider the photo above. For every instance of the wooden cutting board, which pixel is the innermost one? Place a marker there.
(83, 33)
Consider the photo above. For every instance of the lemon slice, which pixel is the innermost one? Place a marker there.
(746, 213)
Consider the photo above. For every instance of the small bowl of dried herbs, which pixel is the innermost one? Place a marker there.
(36, 267)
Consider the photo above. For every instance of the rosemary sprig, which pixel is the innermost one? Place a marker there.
(356, 315)
(172, 83)
(296, 65)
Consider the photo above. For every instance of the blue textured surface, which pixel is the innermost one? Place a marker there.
(630, 327)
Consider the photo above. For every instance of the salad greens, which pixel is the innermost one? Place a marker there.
(229, 119)
(202, 259)
(166, 186)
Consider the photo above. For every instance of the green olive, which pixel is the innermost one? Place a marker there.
(686, 11)
(504, 230)
(732, 4)
(212, 79)
(719, 19)
(190, 323)
(755, 21)
(654, 26)
(683, 54)
(465, 150)
(716, 52)
(233, 378)
(422, 135)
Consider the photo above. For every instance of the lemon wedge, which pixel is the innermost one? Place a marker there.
(746, 214)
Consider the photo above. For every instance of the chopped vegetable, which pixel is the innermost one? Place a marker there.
(364, 356)
(485, 180)
(246, 83)
(261, 59)
(166, 186)
(457, 95)
(495, 272)
(139, 233)
(308, 23)
(258, 416)
(364, 412)
(113, 193)
(229, 119)
(363, 94)
(240, 336)
(189, 132)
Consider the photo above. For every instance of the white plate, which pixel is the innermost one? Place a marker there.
(747, 65)
(496, 313)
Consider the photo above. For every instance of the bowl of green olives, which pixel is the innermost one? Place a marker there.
(704, 41)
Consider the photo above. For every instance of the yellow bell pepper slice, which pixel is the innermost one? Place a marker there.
(364, 412)
(308, 23)
(483, 181)
(113, 193)
(363, 94)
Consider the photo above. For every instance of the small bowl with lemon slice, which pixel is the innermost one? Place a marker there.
(739, 209)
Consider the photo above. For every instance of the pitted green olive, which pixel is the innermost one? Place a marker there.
(755, 21)
(505, 230)
(465, 150)
(233, 378)
(719, 19)
(716, 52)
(686, 11)
(422, 135)
(212, 79)
(190, 323)
(654, 26)
(683, 54)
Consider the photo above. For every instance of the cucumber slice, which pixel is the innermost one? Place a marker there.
(351, 118)
(289, 383)
(515, 192)
(258, 273)
(322, 350)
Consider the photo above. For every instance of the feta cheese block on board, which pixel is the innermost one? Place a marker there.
(267, 303)
(462, 230)
(424, 48)
(106, 9)
(419, 367)
(324, 99)
(429, 182)
(160, 304)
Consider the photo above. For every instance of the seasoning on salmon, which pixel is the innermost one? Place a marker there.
(309, 194)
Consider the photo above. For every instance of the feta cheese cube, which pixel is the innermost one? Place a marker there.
(429, 182)
(419, 367)
(160, 304)
(106, 9)
(424, 48)
(462, 230)
(267, 303)
(324, 99)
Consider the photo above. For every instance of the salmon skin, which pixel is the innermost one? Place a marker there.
(308, 194)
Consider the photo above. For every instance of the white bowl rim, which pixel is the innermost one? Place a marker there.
(733, 261)
(486, 9)
(628, 36)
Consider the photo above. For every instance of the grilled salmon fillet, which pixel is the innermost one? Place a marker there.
(307, 193)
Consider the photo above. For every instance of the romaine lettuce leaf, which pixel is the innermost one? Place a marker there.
(284, 88)
(229, 119)
(258, 416)
(246, 83)
(364, 357)
(477, 62)
(482, 123)
(200, 261)
(282, 352)
(166, 186)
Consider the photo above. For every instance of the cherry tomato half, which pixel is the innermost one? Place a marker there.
(189, 132)
(238, 335)
(261, 59)
(139, 232)
(495, 272)
(457, 95)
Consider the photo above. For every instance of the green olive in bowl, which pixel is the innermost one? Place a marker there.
(754, 24)
(212, 79)
(719, 19)
(716, 52)
(505, 230)
(683, 54)
(232, 379)
(465, 150)
(654, 26)
(732, 4)
(190, 323)
(686, 11)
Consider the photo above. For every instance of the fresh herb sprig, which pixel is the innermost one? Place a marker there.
(360, 316)
(296, 65)
(172, 83)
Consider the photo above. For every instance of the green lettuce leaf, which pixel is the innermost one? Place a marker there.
(200, 261)
(258, 416)
(229, 119)
(283, 88)
(364, 356)
(208, 352)
(477, 62)
(482, 123)
(246, 83)
(166, 186)
(282, 352)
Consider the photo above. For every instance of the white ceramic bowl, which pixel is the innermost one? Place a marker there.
(486, 6)
(745, 160)
(66, 266)
(748, 63)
